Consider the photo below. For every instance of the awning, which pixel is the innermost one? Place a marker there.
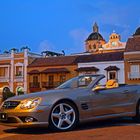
(34, 72)
(112, 68)
(55, 70)
(87, 69)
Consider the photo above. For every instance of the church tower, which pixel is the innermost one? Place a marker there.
(95, 28)
(94, 41)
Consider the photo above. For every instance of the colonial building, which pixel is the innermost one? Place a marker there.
(13, 70)
(94, 41)
(114, 43)
(110, 64)
(132, 59)
(49, 72)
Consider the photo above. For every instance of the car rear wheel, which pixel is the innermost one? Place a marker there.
(137, 117)
(64, 116)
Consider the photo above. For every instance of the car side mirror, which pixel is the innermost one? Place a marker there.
(98, 88)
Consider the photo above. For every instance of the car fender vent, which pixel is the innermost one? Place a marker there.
(84, 106)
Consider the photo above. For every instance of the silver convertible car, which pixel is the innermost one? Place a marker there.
(80, 99)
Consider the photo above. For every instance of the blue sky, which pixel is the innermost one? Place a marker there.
(63, 24)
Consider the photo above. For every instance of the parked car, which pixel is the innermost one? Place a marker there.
(80, 99)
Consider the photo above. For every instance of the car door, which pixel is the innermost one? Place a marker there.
(110, 101)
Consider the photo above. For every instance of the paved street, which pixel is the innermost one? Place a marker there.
(123, 129)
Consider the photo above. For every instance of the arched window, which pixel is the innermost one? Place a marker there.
(6, 89)
(20, 90)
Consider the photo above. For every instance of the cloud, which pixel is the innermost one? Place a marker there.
(46, 45)
(78, 36)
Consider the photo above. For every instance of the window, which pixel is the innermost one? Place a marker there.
(19, 71)
(62, 78)
(112, 75)
(3, 72)
(51, 80)
(135, 68)
(134, 71)
(35, 79)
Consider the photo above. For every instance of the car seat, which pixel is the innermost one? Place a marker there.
(112, 84)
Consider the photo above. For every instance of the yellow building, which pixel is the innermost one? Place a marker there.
(47, 73)
(13, 70)
(114, 43)
(132, 59)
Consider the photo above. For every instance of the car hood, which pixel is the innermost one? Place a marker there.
(48, 93)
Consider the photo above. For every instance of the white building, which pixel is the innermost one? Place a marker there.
(109, 64)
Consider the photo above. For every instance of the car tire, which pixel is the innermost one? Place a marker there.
(137, 117)
(64, 116)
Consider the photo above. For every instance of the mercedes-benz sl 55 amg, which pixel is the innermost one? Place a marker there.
(80, 99)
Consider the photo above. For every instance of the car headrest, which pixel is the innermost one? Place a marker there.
(111, 84)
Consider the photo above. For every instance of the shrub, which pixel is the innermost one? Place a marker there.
(7, 95)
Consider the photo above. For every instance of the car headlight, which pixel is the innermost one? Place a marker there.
(30, 103)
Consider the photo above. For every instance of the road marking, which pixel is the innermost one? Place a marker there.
(6, 135)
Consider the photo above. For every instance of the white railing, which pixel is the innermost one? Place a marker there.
(133, 75)
(4, 79)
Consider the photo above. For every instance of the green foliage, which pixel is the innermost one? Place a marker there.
(7, 95)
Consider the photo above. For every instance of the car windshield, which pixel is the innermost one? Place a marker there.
(80, 81)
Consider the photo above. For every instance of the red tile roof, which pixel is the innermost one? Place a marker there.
(73, 60)
(53, 61)
(87, 69)
(56, 70)
(33, 72)
(133, 44)
(112, 68)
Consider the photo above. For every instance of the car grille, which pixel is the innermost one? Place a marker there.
(10, 104)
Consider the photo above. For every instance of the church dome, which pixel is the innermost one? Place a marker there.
(137, 32)
(95, 36)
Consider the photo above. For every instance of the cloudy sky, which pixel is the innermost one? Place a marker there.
(57, 25)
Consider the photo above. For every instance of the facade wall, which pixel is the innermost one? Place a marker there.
(132, 58)
(44, 78)
(102, 65)
(15, 76)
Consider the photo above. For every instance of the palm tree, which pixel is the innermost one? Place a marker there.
(25, 47)
(63, 52)
(14, 49)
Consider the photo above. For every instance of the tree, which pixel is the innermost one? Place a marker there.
(25, 47)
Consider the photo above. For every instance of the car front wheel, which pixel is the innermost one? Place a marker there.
(64, 116)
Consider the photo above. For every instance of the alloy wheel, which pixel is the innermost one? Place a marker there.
(63, 116)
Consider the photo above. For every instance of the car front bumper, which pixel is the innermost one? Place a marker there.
(17, 117)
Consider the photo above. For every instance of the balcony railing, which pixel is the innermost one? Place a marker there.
(19, 79)
(51, 85)
(134, 75)
(4, 79)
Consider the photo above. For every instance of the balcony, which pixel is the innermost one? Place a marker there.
(34, 87)
(49, 85)
(18, 78)
(134, 75)
(4, 79)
